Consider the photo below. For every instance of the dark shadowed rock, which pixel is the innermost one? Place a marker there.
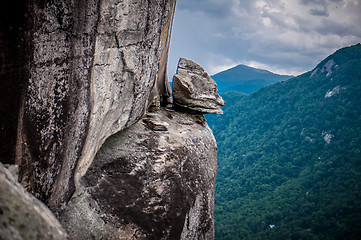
(146, 184)
(193, 89)
(22, 216)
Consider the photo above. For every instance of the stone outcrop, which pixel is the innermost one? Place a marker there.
(22, 216)
(147, 184)
(92, 69)
(193, 89)
(85, 75)
(54, 113)
(130, 46)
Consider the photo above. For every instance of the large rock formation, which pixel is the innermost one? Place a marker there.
(147, 184)
(129, 49)
(93, 70)
(22, 216)
(76, 72)
(193, 89)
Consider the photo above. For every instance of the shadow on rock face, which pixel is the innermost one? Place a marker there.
(149, 184)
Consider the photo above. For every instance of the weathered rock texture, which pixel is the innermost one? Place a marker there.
(76, 72)
(130, 46)
(193, 89)
(146, 184)
(54, 114)
(22, 216)
(93, 68)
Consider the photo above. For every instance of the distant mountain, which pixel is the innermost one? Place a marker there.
(246, 79)
(289, 156)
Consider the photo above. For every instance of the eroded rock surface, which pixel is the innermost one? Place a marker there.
(22, 216)
(130, 50)
(147, 184)
(92, 68)
(85, 70)
(193, 89)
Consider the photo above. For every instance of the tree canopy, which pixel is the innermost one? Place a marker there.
(289, 156)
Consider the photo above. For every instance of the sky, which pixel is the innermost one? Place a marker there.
(282, 36)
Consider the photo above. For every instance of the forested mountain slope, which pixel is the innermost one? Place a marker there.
(290, 156)
(245, 79)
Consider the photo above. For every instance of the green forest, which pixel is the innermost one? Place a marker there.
(289, 156)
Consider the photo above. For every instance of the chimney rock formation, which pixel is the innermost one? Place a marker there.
(83, 110)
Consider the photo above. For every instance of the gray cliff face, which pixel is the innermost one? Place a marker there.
(91, 71)
(84, 117)
(22, 216)
(128, 52)
(54, 113)
(146, 184)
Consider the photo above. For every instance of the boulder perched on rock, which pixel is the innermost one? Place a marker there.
(22, 216)
(149, 184)
(193, 89)
(76, 73)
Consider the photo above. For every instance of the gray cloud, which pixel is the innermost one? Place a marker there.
(319, 12)
(313, 2)
(214, 8)
(283, 36)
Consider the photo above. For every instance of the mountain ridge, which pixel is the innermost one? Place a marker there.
(246, 79)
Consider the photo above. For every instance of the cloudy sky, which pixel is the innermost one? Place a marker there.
(283, 36)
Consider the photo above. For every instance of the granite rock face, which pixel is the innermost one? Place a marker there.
(22, 216)
(54, 112)
(130, 48)
(84, 75)
(193, 89)
(92, 69)
(148, 184)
